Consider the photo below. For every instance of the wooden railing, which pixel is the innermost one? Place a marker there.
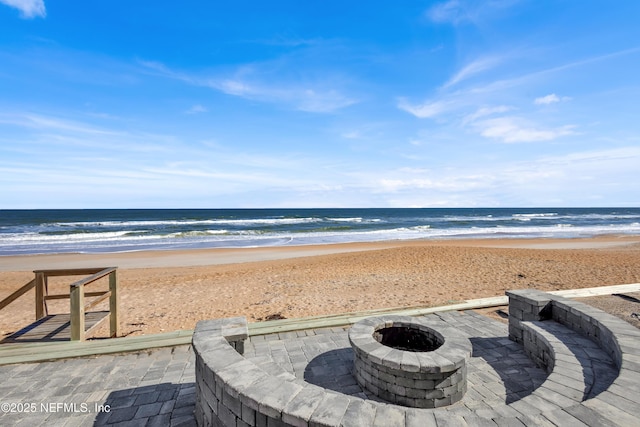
(76, 296)
(17, 294)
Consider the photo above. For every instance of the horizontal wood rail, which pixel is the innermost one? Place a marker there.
(65, 296)
(72, 271)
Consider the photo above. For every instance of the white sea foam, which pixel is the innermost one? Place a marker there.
(310, 227)
(536, 215)
(72, 237)
(158, 223)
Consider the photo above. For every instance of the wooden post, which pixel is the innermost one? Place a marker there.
(41, 307)
(114, 303)
(76, 294)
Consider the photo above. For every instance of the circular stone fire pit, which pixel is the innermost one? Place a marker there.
(409, 362)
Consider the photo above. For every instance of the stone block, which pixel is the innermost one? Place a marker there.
(407, 401)
(386, 395)
(261, 420)
(248, 415)
(227, 418)
(410, 362)
(210, 325)
(445, 401)
(299, 410)
(393, 359)
(389, 415)
(407, 382)
(238, 375)
(272, 422)
(416, 393)
(359, 413)
(419, 418)
(590, 417)
(330, 410)
(272, 395)
(397, 389)
(379, 354)
(234, 328)
(385, 378)
(232, 403)
(206, 394)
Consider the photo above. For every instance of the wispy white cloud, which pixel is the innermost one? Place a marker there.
(451, 99)
(488, 121)
(321, 101)
(465, 108)
(316, 96)
(458, 183)
(460, 11)
(47, 123)
(538, 181)
(302, 97)
(486, 111)
(232, 87)
(426, 110)
(451, 11)
(40, 135)
(515, 129)
(28, 8)
(215, 172)
(502, 84)
(196, 109)
(472, 69)
(550, 99)
(352, 134)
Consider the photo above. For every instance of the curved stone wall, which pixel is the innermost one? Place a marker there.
(233, 391)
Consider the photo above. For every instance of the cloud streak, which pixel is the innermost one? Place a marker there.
(466, 109)
(457, 12)
(550, 99)
(514, 129)
(314, 97)
(476, 67)
(427, 110)
(29, 9)
(48, 123)
(197, 109)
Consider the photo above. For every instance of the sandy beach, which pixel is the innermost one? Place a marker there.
(171, 290)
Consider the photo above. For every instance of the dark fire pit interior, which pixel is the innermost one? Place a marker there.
(407, 339)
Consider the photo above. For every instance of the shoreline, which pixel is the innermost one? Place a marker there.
(222, 256)
(165, 291)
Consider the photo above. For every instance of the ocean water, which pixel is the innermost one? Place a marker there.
(121, 230)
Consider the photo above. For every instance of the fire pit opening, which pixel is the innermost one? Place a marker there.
(406, 338)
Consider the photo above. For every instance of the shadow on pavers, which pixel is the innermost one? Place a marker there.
(333, 370)
(164, 404)
(518, 373)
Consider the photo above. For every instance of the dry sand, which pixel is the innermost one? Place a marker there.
(164, 291)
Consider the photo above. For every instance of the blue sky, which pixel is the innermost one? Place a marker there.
(458, 103)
